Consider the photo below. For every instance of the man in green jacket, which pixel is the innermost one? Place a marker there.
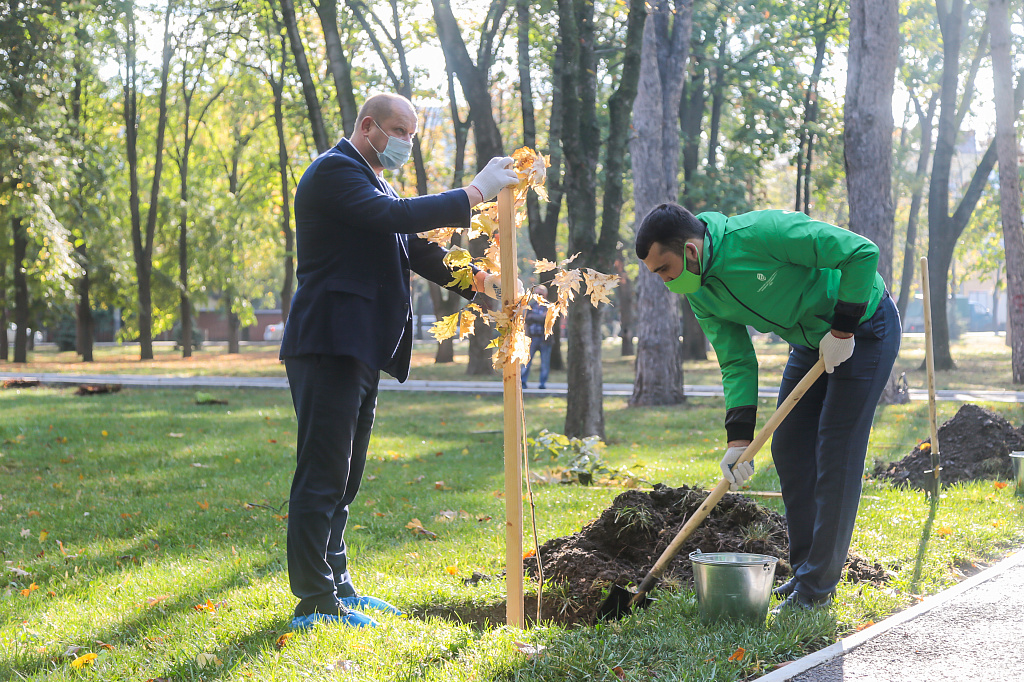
(816, 286)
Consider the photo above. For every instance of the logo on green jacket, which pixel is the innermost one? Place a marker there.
(768, 281)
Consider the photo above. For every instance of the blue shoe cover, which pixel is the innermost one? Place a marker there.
(364, 602)
(350, 618)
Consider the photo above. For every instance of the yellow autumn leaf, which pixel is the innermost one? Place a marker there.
(738, 654)
(83, 661)
(457, 257)
(446, 327)
(452, 570)
(43, 535)
(282, 641)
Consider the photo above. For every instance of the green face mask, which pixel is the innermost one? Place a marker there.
(687, 282)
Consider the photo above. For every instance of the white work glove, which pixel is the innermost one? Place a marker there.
(492, 287)
(496, 175)
(835, 351)
(736, 474)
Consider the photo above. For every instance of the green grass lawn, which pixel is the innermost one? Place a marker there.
(983, 363)
(121, 514)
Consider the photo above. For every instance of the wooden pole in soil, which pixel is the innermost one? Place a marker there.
(513, 397)
(929, 358)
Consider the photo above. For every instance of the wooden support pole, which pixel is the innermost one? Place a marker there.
(929, 358)
(513, 397)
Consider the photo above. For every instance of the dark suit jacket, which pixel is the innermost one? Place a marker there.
(356, 244)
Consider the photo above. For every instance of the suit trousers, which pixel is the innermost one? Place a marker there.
(335, 398)
(820, 448)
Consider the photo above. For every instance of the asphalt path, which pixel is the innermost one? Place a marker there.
(482, 387)
(970, 632)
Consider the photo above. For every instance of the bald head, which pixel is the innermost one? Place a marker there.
(385, 105)
(383, 116)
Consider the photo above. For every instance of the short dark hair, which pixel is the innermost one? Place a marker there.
(670, 225)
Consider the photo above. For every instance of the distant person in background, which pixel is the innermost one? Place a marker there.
(535, 318)
(351, 317)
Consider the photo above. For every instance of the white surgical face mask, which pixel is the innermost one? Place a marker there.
(395, 153)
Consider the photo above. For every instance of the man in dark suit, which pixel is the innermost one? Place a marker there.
(350, 319)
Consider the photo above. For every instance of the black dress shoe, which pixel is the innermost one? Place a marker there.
(785, 589)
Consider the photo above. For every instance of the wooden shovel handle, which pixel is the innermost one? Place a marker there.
(723, 486)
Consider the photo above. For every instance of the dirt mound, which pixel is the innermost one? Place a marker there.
(622, 544)
(973, 445)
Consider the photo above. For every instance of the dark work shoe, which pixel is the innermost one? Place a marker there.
(785, 589)
(797, 602)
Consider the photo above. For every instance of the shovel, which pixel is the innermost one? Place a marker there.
(621, 601)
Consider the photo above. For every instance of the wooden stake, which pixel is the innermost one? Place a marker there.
(513, 397)
(929, 358)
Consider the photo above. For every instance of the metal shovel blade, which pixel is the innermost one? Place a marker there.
(618, 603)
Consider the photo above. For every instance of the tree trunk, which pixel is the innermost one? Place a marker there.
(944, 229)
(659, 367)
(691, 116)
(286, 201)
(625, 301)
(717, 100)
(338, 64)
(584, 407)
(445, 303)
(475, 86)
(805, 149)
(1009, 181)
(84, 322)
(184, 303)
(234, 324)
(316, 120)
(4, 345)
(868, 123)
(909, 250)
(695, 343)
(20, 291)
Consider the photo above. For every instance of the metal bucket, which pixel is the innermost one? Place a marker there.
(733, 585)
(1018, 470)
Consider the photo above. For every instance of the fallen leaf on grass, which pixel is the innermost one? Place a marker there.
(530, 650)
(619, 672)
(18, 572)
(104, 645)
(282, 641)
(452, 570)
(204, 505)
(999, 485)
(209, 606)
(865, 625)
(440, 485)
(172, 435)
(342, 665)
(25, 532)
(83, 661)
(416, 526)
(738, 654)
(71, 651)
(153, 601)
(204, 660)
(943, 530)
(485, 517)
(29, 590)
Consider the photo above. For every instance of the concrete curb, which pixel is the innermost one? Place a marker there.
(844, 646)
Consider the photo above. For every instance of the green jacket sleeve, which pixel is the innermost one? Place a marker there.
(820, 245)
(738, 363)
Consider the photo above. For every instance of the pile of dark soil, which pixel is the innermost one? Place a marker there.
(622, 545)
(973, 445)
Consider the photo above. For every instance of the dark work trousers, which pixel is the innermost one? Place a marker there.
(335, 398)
(819, 449)
(539, 343)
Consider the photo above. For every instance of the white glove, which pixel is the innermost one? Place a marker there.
(736, 474)
(834, 350)
(492, 287)
(496, 175)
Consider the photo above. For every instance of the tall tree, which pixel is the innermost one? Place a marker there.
(474, 78)
(338, 63)
(542, 220)
(944, 228)
(195, 55)
(143, 236)
(1007, 149)
(868, 130)
(655, 156)
(316, 119)
(580, 133)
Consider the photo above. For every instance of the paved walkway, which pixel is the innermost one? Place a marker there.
(157, 381)
(974, 631)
